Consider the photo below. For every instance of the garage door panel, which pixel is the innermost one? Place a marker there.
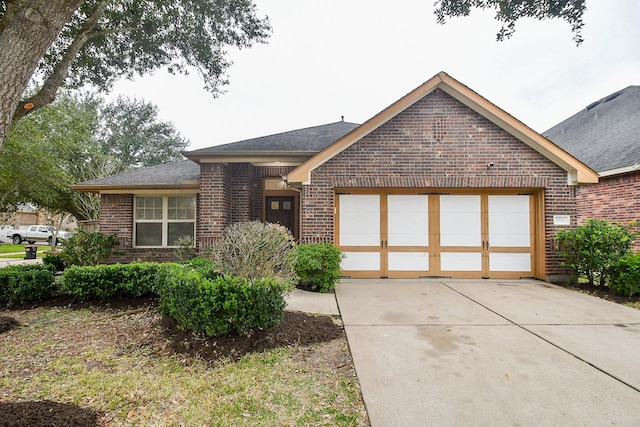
(408, 220)
(461, 261)
(361, 261)
(460, 220)
(408, 261)
(509, 221)
(359, 220)
(510, 262)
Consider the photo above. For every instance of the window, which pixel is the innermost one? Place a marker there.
(161, 221)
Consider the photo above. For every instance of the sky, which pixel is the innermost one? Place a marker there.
(331, 58)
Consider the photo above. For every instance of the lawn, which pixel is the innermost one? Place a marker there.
(6, 248)
(18, 251)
(128, 366)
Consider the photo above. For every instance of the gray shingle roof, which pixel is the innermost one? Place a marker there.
(167, 174)
(308, 140)
(606, 134)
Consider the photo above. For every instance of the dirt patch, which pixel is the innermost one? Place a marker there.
(296, 329)
(45, 414)
(7, 323)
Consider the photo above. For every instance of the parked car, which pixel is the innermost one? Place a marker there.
(36, 233)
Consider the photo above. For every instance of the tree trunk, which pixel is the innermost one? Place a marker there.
(27, 31)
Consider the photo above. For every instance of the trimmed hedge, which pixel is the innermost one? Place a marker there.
(318, 266)
(26, 283)
(56, 260)
(107, 281)
(625, 279)
(221, 305)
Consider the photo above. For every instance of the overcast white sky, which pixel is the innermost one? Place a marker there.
(353, 58)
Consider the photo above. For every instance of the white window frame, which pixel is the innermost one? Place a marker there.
(165, 221)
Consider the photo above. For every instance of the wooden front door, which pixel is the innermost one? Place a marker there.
(281, 210)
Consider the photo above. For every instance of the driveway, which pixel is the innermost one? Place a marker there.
(446, 352)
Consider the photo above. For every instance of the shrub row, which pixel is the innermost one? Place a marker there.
(220, 305)
(25, 283)
(110, 280)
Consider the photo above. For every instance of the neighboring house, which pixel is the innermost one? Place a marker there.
(440, 183)
(606, 137)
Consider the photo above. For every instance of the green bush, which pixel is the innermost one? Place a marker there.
(26, 283)
(107, 281)
(204, 266)
(625, 279)
(591, 249)
(255, 250)
(55, 260)
(318, 266)
(88, 248)
(221, 305)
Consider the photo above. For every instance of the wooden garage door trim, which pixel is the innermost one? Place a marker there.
(434, 249)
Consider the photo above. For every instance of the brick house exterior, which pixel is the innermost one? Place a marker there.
(605, 136)
(442, 156)
(615, 198)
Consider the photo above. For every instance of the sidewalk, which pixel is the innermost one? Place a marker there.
(312, 302)
(4, 262)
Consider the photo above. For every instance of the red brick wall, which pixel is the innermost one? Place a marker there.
(116, 217)
(214, 202)
(437, 142)
(615, 198)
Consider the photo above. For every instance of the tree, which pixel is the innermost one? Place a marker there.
(61, 144)
(131, 133)
(509, 11)
(47, 152)
(77, 42)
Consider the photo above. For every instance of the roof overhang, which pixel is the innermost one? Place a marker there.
(620, 171)
(577, 172)
(257, 158)
(186, 187)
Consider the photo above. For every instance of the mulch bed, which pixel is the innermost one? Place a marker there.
(46, 414)
(602, 292)
(7, 323)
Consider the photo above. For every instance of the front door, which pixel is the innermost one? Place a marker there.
(281, 210)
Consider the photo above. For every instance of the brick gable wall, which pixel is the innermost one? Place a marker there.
(437, 142)
(615, 198)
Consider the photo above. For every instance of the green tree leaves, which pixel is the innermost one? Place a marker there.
(510, 11)
(76, 139)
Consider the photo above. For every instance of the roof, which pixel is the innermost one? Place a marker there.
(606, 134)
(577, 171)
(171, 175)
(306, 142)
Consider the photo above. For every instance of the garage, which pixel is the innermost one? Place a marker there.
(443, 233)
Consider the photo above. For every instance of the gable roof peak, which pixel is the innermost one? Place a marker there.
(577, 171)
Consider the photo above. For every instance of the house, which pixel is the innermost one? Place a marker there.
(606, 136)
(440, 183)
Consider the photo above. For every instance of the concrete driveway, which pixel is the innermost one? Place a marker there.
(446, 352)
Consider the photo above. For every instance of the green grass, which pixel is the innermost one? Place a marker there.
(77, 357)
(633, 304)
(18, 251)
(6, 248)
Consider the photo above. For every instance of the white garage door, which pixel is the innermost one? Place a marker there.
(419, 235)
